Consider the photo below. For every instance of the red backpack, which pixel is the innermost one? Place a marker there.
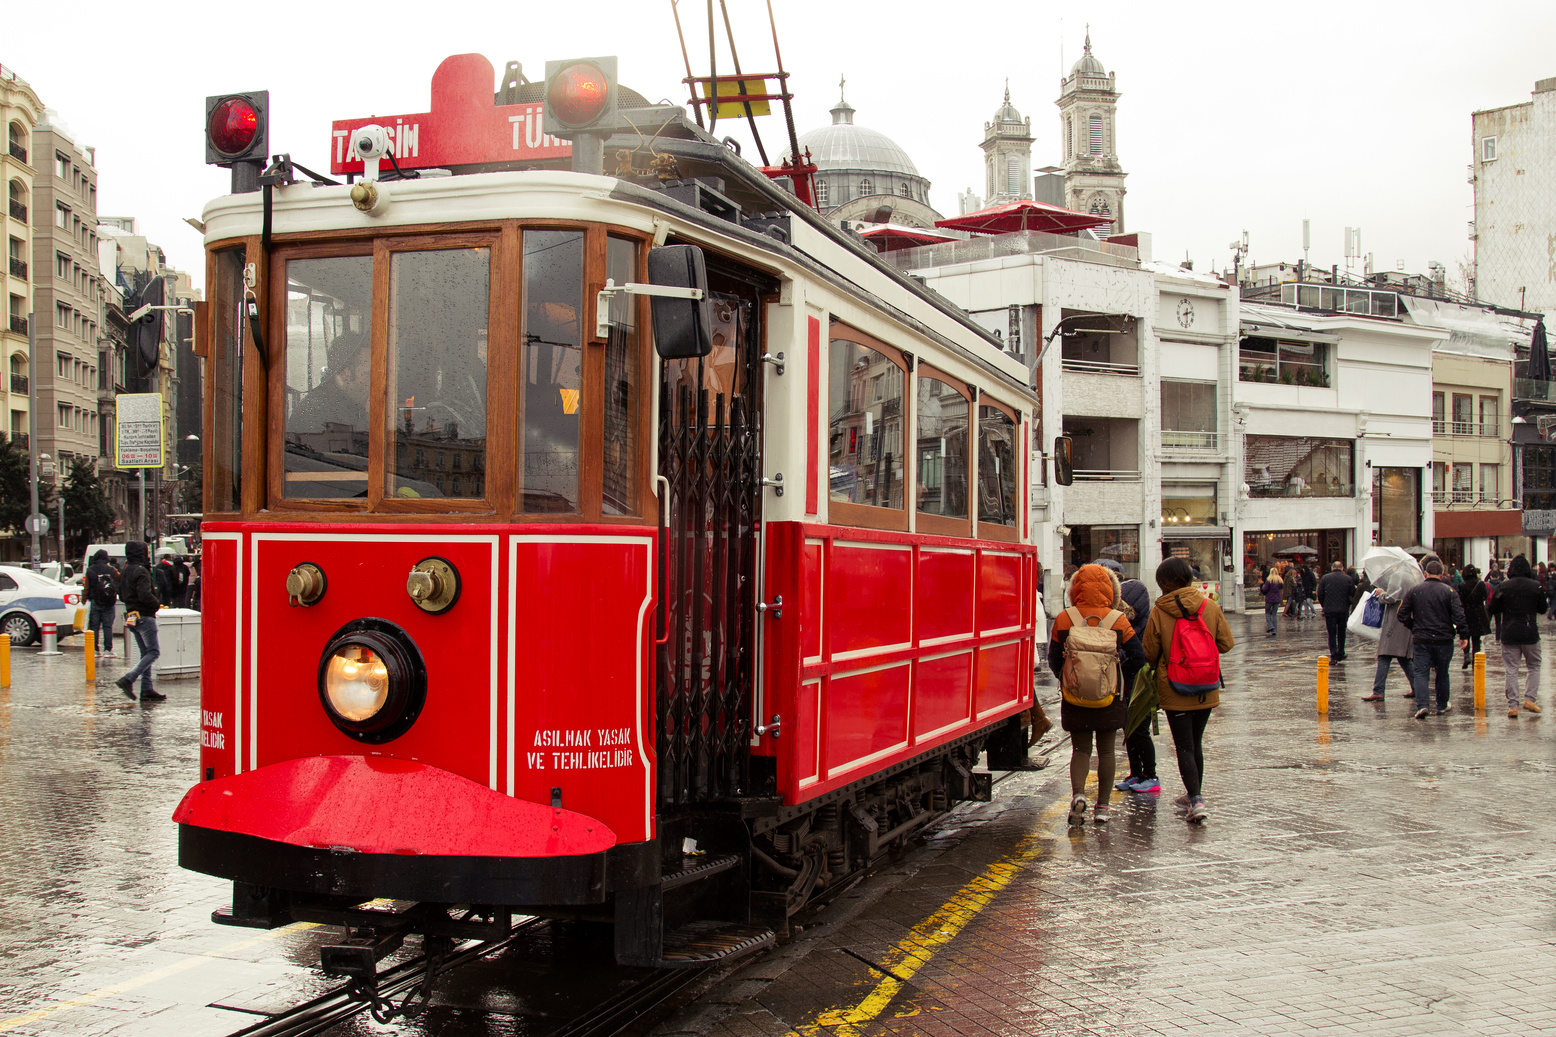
(1193, 660)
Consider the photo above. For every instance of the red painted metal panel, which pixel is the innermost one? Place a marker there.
(811, 615)
(868, 597)
(807, 731)
(999, 670)
(812, 411)
(220, 655)
(381, 805)
(865, 713)
(999, 591)
(942, 693)
(943, 593)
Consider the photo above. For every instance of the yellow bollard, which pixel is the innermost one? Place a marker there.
(1480, 680)
(1323, 684)
(90, 642)
(5, 660)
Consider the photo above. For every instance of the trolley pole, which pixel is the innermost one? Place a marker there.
(32, 427)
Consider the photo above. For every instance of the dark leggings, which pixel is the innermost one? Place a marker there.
(1142, 751)
(1188, 736)
(1470, 652)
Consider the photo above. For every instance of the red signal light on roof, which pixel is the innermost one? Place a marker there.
(578, 94)
(233, 126)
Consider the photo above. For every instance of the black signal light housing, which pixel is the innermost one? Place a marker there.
(237, 127)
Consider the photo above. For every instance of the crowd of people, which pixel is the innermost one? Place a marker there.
(144, 589)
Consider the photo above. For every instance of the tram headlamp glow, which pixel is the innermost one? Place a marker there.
(372, 682)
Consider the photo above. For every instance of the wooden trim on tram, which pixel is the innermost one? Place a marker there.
(929, 522)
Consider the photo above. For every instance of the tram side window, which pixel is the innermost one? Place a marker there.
(329, 325)
(996, 466)
(224, 481)
(439, 306)
(944, 414)
(865, 426)
(620, 477)
(552, 370)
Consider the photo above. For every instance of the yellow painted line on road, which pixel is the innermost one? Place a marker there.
(153, 976)
(926, 939)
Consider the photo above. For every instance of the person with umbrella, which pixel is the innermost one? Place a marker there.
(1392, 572)
(1434, 615)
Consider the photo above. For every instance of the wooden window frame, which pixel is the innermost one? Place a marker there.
(942, 525)
(986, 530)
(870, 516)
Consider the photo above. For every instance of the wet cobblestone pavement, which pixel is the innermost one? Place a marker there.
(1364, 873)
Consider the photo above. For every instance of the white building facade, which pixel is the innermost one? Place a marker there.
(1514, 175)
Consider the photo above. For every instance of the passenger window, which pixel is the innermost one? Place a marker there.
(329, 324)
(439, 306)
(551, 370)
(720, 373)
(6, 583)
(224, 368)
(996, 466)
(944, 414)
(620, 477)
(865, 426)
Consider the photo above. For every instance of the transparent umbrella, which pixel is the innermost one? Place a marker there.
(1392, 570)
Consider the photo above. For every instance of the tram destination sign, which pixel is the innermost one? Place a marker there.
(138, 430)
(465, 127)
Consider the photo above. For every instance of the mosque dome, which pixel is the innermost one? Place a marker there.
(845, 145)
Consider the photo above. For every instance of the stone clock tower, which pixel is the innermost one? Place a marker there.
(1093, 179)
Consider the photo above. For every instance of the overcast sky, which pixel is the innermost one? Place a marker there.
(1231, 119)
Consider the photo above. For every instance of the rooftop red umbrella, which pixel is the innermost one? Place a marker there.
(1024, 215)
(887, 237)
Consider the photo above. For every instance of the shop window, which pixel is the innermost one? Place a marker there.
(328, 377)
(1297, 466)
(865, 432)
(1396, 505)
(1088, 544)
(997, 481)
(943, 416)
(1283, 362)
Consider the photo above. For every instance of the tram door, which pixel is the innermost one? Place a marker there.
(710, 455)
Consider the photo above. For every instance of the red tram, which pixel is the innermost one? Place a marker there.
(527, 592)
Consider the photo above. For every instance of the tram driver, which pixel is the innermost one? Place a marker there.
(341, 397)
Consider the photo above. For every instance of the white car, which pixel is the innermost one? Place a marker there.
(28, 600)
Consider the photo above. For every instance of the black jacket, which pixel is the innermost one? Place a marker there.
(1433, 613)
(1334, 592)
(96, 574)
(1472, 593)
(1520, 602)
(135, 587)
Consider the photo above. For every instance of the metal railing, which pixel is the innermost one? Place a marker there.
(1099, 367)
(1534, 389)
(19, 325)
(18, 383)
(18, 152)
(1172, 440)
(1305, 489)
(1019, 243)
(1470, 497)
(1106, 475)
(19, 211)
(18, 268)
(1440, 427)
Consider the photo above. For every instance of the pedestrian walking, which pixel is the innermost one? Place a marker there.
(101, 586)
(140, 619)
(1550, 590)
(1518, 603)
(180, 582)
(1138, 746)
(1271, 589)
(1494, 579)
(1334, 597)
(1472, 595)
(1088, 639)
(1434, 614)
(1185, 637)
(1393, 647)
(1309, 589)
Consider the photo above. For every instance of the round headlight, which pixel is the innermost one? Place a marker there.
(372, 681)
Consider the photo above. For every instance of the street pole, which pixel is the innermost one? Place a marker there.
(62, 536)
(141, 534)
(32, 424)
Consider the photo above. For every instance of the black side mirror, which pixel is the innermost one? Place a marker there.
(1064, 474)
(683, 328)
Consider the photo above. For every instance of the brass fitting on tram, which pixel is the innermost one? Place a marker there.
(433, 585)
(305, 585)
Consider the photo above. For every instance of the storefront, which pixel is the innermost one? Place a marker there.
(1086, 544)
(1190, 532)
(1265, 549)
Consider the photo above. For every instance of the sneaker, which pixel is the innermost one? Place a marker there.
(1531, 705)
(1423, 713)
(1100, 814)
(1127, 785)
(1197, 811)
(1146, 785)
(1077, 811)
(126, 687)
(1182, 802)
(152, 695)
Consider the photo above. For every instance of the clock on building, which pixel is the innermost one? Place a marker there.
(1186, 313)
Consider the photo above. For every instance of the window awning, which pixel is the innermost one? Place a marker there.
(1471, 329)
(1196, 532)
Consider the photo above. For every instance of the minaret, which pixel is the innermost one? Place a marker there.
(1007, 155)
(1093, 179)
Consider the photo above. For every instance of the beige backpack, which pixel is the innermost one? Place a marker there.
(1091, 675)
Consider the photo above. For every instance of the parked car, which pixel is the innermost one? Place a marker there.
(28, 600)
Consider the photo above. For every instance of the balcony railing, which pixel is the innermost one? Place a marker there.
(1098, 367)
(1533, 389)
(19, 325)
(1470, 498)
(1190, 440)
(18, 268)
(1106, 475)
(18, 211)
(18, 383)
(1465, 428)
(1019, 243)
(1302, 489)
(18, 152)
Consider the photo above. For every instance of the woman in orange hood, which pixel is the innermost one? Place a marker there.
(1094, 599)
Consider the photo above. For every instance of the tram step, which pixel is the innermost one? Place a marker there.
(696, 867)
(707, 942)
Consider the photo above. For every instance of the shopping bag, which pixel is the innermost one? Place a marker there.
(1372, 615)
(1144, 700)
(1357, 624)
